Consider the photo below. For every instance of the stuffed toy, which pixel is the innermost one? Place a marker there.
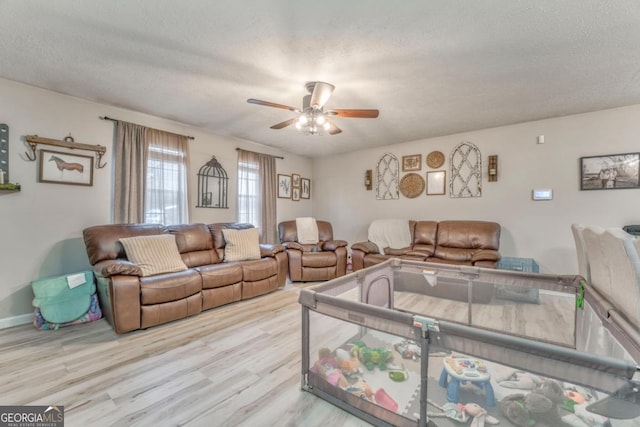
(327, 366)
(372, 357)
(538, 408)
(479, 414)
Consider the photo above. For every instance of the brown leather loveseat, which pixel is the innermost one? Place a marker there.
(132, 301)
(450, 242)
(309, 262)
(473, 243)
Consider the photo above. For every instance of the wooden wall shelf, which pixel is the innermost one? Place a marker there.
(67, 142)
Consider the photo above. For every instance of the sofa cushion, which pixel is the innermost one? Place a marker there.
(169, 287)
(319, 259)
(217, 275)
(259, 269)
(195, 244)
(241, 245)
(154, 254)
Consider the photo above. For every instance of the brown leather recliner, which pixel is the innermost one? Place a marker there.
(311, 262)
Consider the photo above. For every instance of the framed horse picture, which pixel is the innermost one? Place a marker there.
(65, 168)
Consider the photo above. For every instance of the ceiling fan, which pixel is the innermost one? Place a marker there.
(312, 118)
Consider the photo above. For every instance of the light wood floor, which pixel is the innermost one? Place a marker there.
(237, 365)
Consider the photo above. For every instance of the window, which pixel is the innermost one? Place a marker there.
(248, 193)
(150, 176)
(165, 191)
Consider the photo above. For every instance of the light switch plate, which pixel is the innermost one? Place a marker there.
(542, 194)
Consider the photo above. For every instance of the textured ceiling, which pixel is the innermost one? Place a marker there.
(431, 67)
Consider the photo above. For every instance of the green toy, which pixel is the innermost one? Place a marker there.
(372, 357)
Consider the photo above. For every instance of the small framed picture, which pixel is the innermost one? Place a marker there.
(412, 162)
(295, 193)
(436, 182)
(305, 190)
(284, 186)
(64, 168)
(610, 172)
(295, 180)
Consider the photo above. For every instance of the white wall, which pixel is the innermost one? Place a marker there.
(41, 226)
(540, 230)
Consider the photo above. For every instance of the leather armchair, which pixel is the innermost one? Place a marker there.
(324, 260)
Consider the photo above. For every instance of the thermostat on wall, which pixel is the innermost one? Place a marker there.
(543, 194)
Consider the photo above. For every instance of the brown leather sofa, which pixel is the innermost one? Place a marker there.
(131, 301)
(311, 262)
(450, 242)
(447, 242)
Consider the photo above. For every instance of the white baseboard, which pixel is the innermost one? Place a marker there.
(23, 319)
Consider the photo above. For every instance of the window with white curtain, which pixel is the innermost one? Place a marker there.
(248, 192)
(165, 199)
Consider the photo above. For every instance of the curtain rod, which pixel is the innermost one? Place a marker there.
(116, 120)
(277, 157)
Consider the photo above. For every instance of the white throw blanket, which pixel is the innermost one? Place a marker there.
(390, 233)
(307, 229)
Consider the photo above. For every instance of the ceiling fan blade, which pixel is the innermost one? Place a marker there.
(284, 124)
(359, 114)
(321, 93)
(333, 129)
(272, 104)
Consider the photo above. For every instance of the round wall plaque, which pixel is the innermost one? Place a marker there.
(435, 159)
(412, 185)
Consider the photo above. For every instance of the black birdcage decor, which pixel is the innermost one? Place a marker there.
(212, 185)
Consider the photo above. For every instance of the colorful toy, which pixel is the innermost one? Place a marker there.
(372, 357)
(361, 389)
(383, 399)
(408, 349)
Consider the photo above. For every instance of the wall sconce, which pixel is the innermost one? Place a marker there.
(368, 179)
(493, 168)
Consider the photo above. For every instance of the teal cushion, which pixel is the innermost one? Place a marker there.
(64, 298)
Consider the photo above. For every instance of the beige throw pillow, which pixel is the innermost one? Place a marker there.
(154, 254)
(241, 245)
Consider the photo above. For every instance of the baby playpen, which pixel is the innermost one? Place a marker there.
(386, 344)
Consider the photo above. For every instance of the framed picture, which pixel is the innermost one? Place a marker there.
(295, 193)
(305, 190)
(412, 162)
(295, 180)
(284, 186)
(65, 168)
(613, 171)
(436, 182)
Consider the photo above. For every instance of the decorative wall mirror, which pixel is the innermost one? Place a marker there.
(466, 171)
(212, 185)
(387, 172)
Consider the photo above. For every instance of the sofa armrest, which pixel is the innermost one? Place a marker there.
(397, 252)
(113, 267)
(486, 255)
(366, 247)
(294, 245)
(332, 245)
(270, 250)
